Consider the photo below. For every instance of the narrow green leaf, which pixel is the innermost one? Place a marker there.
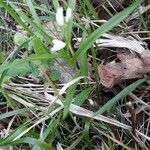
(84, 65)
(33, 141)
(2, 56)
(8, 140)
(33, 57)
(91, 9)
(120, 95)
(15, 16)
(81, 97)
(86, 132)
(39, 47)
(69, 98)
(56, 4)
(68, 27)
(87, 43)
(20, 70)
(33, 12)
(12, 113)
(13, 58)
(50, 131)
(34, 25)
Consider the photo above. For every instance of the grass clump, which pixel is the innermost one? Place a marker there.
(51, 94)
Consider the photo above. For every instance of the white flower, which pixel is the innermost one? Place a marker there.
(58, 45)
(91, 102)
(61, 20)
(68, 14)
(60, 16)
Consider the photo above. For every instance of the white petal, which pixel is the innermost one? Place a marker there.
(60, 16)
(91, 102)
(58, 45)
(68, 14)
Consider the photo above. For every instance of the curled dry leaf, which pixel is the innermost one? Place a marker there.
(106, 77)
(130, 66)
(146, 57)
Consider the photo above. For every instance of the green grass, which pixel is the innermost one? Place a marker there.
(35, 106)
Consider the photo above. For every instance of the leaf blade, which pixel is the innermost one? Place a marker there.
(87, 43)
(120, 95)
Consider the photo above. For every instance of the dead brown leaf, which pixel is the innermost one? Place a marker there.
(146, 57)
(130, 66)
(107, 78)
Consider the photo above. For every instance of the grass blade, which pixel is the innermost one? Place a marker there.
(34, 25)
(120, 95)
(69, 97)
(87, 43)
(33, 57)
(7, 141)
(35, 142)
(81, 97)
(12, 113)
(12, 59)
(15, 16)
(33, 12)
